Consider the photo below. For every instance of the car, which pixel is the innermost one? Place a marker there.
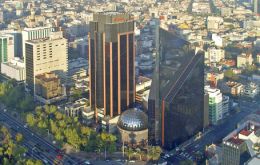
(45, 161)
(87, 162)
(59, 156)
(25, 126)
(5, 110)
(131, 161)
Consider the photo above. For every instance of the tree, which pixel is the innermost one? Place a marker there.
(27, 104)
(230, 74)
(19, 137)
(154, 152)
(186, 162)
(30, 119)
(129, 152)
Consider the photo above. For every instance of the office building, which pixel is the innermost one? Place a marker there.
(48, 88)
(176, 100)
(111, 64)
(6, 48)
(256, 5)
(242, 144)
(34, 34)
(45, 55)
(215, 104)
(17, 40)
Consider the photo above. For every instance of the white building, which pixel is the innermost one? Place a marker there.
(215, 104)
(215, 55)
(251, 90)
(35, 33)
(14, 69)
(213, 23)
(46, 55)
(244, 59)
(218, 40)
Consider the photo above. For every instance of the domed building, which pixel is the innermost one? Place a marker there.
(133, 126)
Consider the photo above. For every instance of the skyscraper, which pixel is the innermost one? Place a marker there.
(45, 55)
(176, 100)
(111, 63)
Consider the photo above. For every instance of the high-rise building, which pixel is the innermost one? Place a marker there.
(6, 48)
(176, 101)
(111, 63)
(256, 4)
(45, 55)
(34, 34)
(215, 104)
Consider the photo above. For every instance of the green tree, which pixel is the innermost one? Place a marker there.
(30, 119)
(154, 152)
(27, 104)
(18, 137)
(230, 75)
(186, 162)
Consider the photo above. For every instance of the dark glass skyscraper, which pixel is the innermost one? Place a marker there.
(111, 63)
(176, 100)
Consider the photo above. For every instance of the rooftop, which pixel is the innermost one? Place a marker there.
(235, 140)
(245, 132)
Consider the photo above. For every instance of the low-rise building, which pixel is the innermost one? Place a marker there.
(48, 88)
(251, 90)
(75, 109)
(15, 69)
(233, 88)
(216, 55)
(244, 60)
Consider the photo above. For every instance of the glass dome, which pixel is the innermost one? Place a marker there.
(133, 120)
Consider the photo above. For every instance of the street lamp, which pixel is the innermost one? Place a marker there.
(48, 132)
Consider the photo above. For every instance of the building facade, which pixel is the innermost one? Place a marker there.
(6, 48)
(14, 69)
(45, 55)
(34, 34)
(215, 104)
(176, 100)
(48, 86)
(111, 63)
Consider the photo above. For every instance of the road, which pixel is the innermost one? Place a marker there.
(37, 146)
(216, 133)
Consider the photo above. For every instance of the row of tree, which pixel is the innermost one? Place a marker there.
(11, 152)
(15, 97)
(69, 130)
(152, 153)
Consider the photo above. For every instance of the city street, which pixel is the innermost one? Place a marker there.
(215, 134)
(37, 146)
